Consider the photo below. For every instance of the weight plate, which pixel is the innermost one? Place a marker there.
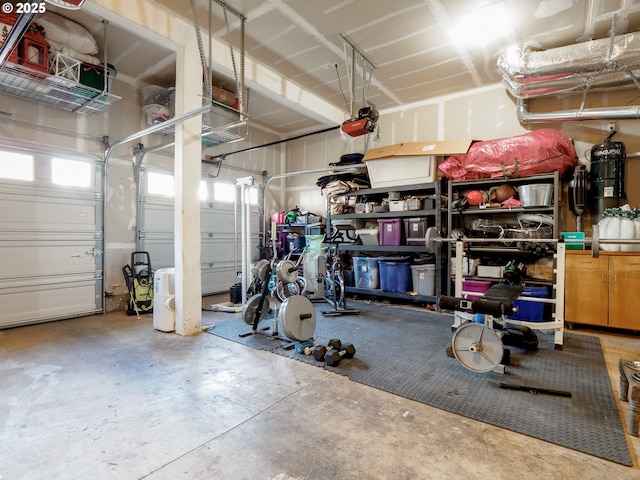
(286, 290)
(287, 271)
(429, 239)
(261, 269)
(250, 307)
(302, 285)
(297, 318)
(477, 347)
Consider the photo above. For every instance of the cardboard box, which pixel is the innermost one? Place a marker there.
(409, 163)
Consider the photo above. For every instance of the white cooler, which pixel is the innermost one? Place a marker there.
(164, 307)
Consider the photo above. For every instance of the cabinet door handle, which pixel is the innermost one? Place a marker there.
(602, 278)
(615, 278)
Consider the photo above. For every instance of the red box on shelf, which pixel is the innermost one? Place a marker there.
(390, 231)
(34, 50)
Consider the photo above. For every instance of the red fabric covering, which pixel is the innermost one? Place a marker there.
(541, 151)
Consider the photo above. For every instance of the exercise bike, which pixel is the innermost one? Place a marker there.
(334, 281)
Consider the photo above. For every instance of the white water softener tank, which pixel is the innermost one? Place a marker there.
(164, 305)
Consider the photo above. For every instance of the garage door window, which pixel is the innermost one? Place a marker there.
(70, 173)
(224, 192)
(16, 166)
(160, 184)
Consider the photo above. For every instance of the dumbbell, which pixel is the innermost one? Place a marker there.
(334, 357)
(319, 351)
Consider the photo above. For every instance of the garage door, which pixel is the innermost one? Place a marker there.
(221, 248)
(50, 237)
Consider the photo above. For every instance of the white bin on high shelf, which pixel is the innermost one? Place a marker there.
(164, 314)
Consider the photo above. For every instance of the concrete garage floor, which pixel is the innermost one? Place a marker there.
(109, 397)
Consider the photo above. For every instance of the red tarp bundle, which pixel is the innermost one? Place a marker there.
(541, 151)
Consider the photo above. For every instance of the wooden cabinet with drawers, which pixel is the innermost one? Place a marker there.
(604, 290)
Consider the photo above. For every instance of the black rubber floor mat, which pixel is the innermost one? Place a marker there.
(402, 351)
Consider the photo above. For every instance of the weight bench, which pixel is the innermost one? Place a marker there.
(477, 346)
(630, 391)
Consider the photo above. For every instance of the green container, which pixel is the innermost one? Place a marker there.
(92, 76)
(573, 240)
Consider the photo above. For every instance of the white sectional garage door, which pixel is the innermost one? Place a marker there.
(220, 244)
(50, 238)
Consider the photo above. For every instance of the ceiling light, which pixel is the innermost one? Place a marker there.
(482, 26)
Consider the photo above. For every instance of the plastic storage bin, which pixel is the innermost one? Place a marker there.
(530, 311)
(423, 278)
(415, 230)
(366, 272)
(395, 276)
(314, 243)
(390, 231)
(369, 236)
(479, 286)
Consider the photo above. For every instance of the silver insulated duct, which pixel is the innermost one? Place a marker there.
(605, 63)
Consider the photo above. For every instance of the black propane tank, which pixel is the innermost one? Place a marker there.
(607, 176)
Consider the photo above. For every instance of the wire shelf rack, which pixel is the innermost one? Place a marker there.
(53, 90)
(222, 124)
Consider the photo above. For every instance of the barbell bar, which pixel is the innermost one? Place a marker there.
(431, 238)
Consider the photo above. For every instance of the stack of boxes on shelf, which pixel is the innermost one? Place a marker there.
(56, 46)
(394, 274)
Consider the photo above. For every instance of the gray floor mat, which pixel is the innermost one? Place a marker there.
(402, 351)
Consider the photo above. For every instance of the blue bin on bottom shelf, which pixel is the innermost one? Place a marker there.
(395, 276)
(530, 311)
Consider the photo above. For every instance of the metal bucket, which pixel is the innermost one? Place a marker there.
(536, 194)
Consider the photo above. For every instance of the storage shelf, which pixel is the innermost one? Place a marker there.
(52, 90)
(501, 250)
(387, 294)
(400, 214)
(503, 210)
(431, 217)
(542, 178)
(526, 280)
(385, 190)
(220, 126)
(382, 248)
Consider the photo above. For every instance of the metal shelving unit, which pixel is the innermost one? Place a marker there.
(487, 247)
(53, 90)
(435, 216)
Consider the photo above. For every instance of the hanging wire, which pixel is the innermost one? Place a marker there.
(203, 59)
(210, 68)
(233, 57)
(366, 80)
(346, 102)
